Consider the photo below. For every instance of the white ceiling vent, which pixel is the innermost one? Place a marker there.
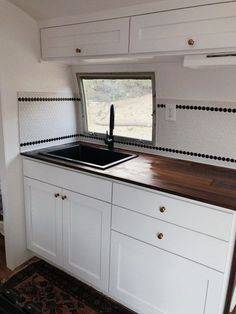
(209, 60)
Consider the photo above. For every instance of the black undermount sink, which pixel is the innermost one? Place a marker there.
(89, 156)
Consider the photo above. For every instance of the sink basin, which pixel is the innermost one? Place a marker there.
(89, 156)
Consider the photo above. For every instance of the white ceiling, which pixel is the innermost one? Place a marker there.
(48, 9)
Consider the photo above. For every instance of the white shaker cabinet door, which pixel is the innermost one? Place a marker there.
(153, 281)
(185, 30)
(87, 238)
(86, 39)
(44, 219)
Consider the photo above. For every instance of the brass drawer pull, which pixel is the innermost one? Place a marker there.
(78, 50)
(64, 197)
(160, 236)
(56, 195)
(191, 42)
(162, 209)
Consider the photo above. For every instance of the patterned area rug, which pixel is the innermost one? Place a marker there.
(42, 288)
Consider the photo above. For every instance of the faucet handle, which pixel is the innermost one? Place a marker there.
(106, 138)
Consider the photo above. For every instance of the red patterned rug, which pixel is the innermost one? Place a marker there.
(42, 288)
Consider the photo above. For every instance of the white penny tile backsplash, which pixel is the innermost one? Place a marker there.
(47, 119)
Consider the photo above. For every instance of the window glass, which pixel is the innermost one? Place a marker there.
(132, 99)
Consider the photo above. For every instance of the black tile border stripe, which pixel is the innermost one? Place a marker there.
(169, 150)
(202, 108)
(155, 148)
(40, 99)
(48, 140)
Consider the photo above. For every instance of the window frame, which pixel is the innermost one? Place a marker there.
(118, 75)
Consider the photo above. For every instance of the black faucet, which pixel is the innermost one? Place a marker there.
(109, 139)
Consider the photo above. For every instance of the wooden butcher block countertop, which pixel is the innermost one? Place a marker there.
(200, 182)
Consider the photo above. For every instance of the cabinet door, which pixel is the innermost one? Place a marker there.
(191, 29)
(153, 281)
(44, 219)
(86, 39)
(87, 238)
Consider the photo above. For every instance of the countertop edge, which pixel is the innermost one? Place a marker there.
(94, 171)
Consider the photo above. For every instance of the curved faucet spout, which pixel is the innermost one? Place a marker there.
(109, 139)
(112, 119)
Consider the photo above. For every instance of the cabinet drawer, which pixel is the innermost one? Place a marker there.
(210, 27)
(94, 38)
(179, 211)
(192, 245)
(70, 180)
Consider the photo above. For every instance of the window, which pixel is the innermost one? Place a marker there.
(133, 96)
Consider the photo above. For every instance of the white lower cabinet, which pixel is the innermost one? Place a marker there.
(153, 281)
(154, 252)
(44, 219)
(86, 234)
(70, 230)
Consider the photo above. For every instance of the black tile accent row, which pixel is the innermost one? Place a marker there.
(156, 148)
(201, 108)
(95, 137)
(48, 140)
(169, 150)
(34, 99)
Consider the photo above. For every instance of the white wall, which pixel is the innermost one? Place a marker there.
(202, 132)
(216, 84)
(20, 70)
(212, 133)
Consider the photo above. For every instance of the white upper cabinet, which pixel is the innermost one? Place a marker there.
(86, 39)
(187, 30)
(210, 28)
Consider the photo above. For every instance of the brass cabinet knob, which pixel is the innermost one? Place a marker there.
(78, 50)
(162, 209)
(56, 195)
(191, 42)
(64, 197)
(160, 236)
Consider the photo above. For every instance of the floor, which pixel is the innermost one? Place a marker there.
(5, 272)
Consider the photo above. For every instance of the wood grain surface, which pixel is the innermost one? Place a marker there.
(201, 182)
